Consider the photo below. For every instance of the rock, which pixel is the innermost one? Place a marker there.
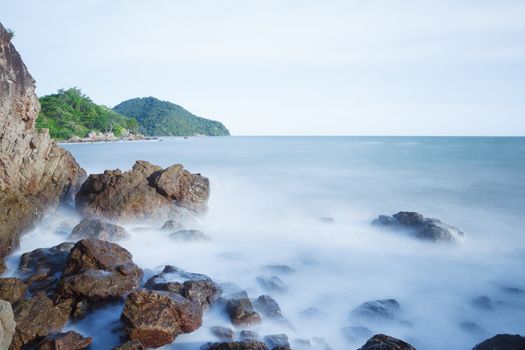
(502, 342)
(98, 271)
(38, 317)
(130, 345)
(222, 333)
(65, 341)
(41, 268)
(36, 173)
(136, 195)
(189, 236)
(485, 303)
(236, 345)
(248, 335)
(473, 328)
(193, 286)
(312, 313)
(421, 227)
(272, 284)
(93, 228)
(513, 290)
(280, 269)
(277, 341)
(7, 324)
(355, 334)
(268, 308)
(385, 342)
(12, 289)
(156, 318)
(242, 312)
(171, 225)
(385, 309)
(326, 220)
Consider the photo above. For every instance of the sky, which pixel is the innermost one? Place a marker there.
(287, 67)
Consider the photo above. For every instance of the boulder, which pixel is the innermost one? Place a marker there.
(384, 309)
(248, 335)
(242, 312)
(12, 289)
(272, 284)
(236, 345)
(7, 324)
(268, 308)
(65, 341)
(38, 317)
(222, 333)
(130, 345)
(94, 228)
(141, 193)
(502, 342)
(193, 286)
(430, 229)
(279, 341)
(98, 271)
(35, 173)
(385, 342)
(156, 318)
(41, 268)
(189, 236)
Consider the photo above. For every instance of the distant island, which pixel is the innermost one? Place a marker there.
(72, 116)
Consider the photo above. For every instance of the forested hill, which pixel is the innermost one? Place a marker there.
(162, 118)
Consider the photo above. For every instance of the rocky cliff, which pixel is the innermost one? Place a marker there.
(35, 173)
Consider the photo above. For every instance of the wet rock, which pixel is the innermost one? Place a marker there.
(65, 341)
(130, 345)
(222, 333)
(7, 324)
(240, 345)
(12, 289)
(421, 227)
(280, 269)
(268, 308)
(473, 328)
(171, 225)
(272, 284)
(513, 290)
(94, 228)
(98, 271)
(145, 191)
(312, 313)
(242, 312)
(41, 268)
(156, 318)
(248, 335)
(189, 236)
(502, 342)
(356, 334)
(38, 317)
(485, 303)
(193, 286)
(385, 309)
(279, 341)
(385, 342)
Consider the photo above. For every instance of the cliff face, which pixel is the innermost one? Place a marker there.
(35, 173)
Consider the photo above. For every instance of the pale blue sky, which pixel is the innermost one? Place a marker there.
(281, 67)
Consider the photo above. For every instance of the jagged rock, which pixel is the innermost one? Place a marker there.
(94, 228)
(156, 318)
(222, 333)
(41, 268)
(141, 193)
(38, 317)
(65, 341)
(420, 226)
(189, 236)
(242, 312)
(130, 345)
(502, 342)
(236, 345)
(12, 289)
(171, 225)
(7, 324)
(385, 342)
(268, 308)
(272, 284)
(386, 309)
(355, 334)
(98, 271)
(193, 286)
(279, 341)
(35, 173)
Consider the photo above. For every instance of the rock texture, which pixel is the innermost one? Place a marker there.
(145, 191)
(65, 341)
(35, 173)
(236, 345)
(242, 312)
(385, 342)
(502, 342)
(430, 229)
(7, 324)
(93, 228)
(12, 289)
(385, 309)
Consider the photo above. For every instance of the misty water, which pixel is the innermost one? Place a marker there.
(268, 195)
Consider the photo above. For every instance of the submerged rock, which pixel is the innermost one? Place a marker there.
(222, 333)
(385, 342)
(156, 318)
(248, 335)
(7, 324)
(65, 341)
(473, 328)
(272, 284)
(242, 312)
(277, 341)
(312, 313)
(171, 225)
(355, 334)
(268, 308)
(94, 228)
(236, 345)
(421, 227)
(12, 289)
(385, 309)
(280, 269)
(502, 342)
(143, 192)
(189, 236)
(485, 303)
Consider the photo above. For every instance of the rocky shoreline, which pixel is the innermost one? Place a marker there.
(97, 136)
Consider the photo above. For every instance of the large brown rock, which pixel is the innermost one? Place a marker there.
(35, 173)
(65, 341)
(242, 312)
(12, 289)
(385, 342)
(145, 191)
(156, 318)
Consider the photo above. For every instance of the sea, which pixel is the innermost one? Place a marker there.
(307, 203)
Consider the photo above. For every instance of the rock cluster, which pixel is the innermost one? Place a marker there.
(97, 136)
